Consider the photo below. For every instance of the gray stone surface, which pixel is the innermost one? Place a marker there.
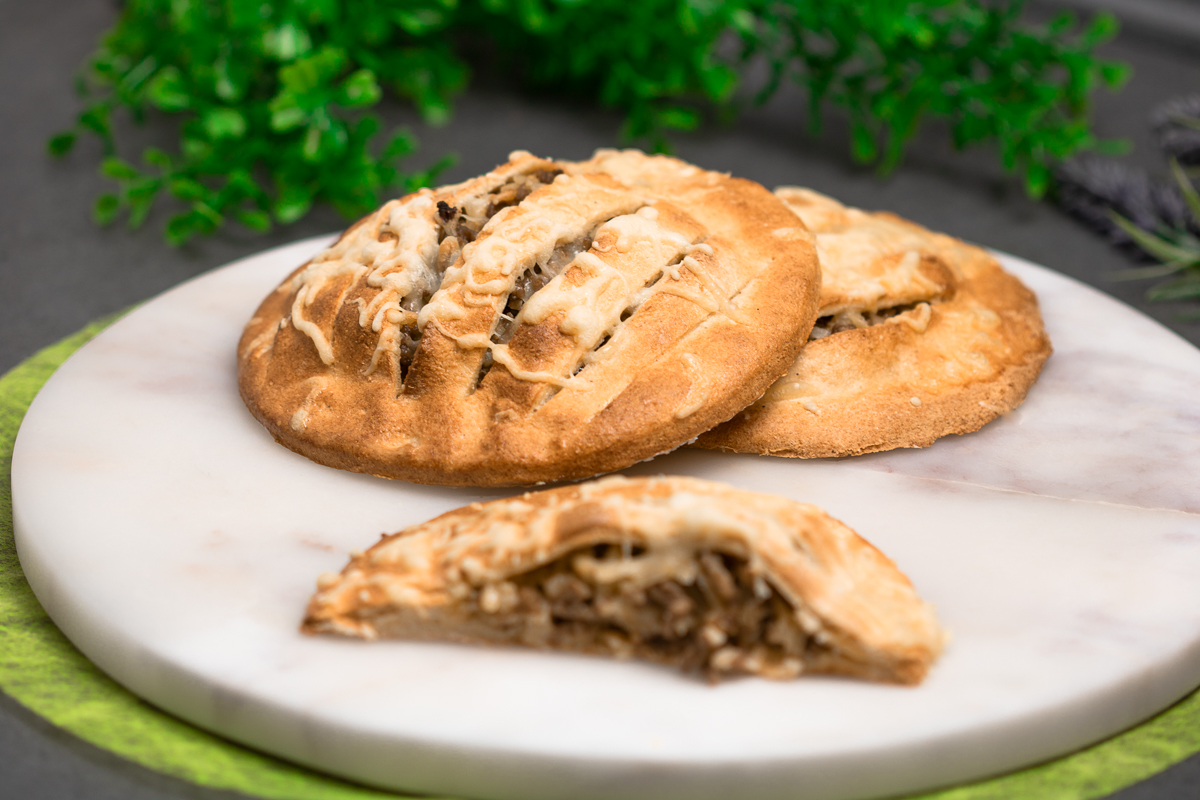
(58, 271)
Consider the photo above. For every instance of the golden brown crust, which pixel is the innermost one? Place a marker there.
(472, 575)
(676, 303)
(965, 347)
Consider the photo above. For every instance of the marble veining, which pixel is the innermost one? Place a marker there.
(1059, 544)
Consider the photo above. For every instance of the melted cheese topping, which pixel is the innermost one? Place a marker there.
(868, 262)
(696, 396)
(300, 418)
(512, 534)
(518, 237)
(400, 266)
(397, 248)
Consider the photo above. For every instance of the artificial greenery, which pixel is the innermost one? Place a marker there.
(273, 96)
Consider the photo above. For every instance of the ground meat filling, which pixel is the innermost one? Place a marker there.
(464, 223)
(715, 616)
(457, 227)
(532, 280)
(852, 319)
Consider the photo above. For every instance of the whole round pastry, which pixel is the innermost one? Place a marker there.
(546, 321)
(919, 336)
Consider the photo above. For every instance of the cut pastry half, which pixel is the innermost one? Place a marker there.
(546, 321)
(679, 571)
(919, 336)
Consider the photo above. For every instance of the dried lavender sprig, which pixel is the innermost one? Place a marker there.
(1090, 188)
(1177, 124)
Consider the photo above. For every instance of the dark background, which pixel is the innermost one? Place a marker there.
(58, 271)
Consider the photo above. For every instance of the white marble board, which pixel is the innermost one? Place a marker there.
(176, 545)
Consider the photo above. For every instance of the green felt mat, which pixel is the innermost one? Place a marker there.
(43, 671)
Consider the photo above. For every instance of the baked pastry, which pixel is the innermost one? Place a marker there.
(920, 335)
(543, 322)
(684, 572)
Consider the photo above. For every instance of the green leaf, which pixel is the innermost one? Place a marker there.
(1190, 195)
(95, 119)
(155, 157)
(242, 184)
(231, 79)
(1115, 74)
(180, 228)
(196, 150)
(139, 207)
(312, 143)
(1154, 245)
(293, 202)
(401, 144)
(862, 145)
(743, 22)
(206, 217)
(420, 21)
(61, 144)
(224, 123)
(435, 111)
(117, 169)
(188, 188)
(286, 115)
(1103, 28)
(679, 119)
(532, 15)
(360, 90)
(1185, 288)
(286, 42)
(314, 71)
(1037, 179)
(719, 82)
(317, 11)
(167, 90)
(246, 14)
(134, 78)
(255, 219)
(106, 208)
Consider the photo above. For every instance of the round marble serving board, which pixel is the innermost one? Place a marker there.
(176, 545)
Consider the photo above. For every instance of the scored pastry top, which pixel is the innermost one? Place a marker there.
(678, 570)
(546, 321)
(919, 336)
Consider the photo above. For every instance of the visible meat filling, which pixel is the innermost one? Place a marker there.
(464, 223)
(852, 319)
(458, 227)
(530, 281)
(714, 615)
(534, 279)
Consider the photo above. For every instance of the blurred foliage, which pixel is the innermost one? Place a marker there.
(273, 96)
(1176, 248)
(1148, 218)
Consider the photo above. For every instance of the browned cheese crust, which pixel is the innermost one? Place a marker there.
(543, 322)
(920, 335)
(683, 572)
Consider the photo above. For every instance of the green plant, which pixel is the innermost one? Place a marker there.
(974, 65)
(1178, 249)
(272, 95)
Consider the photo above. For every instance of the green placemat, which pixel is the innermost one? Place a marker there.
(43, 671)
